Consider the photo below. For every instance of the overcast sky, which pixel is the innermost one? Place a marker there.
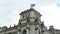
(10, 9)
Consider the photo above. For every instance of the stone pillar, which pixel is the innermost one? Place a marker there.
(28, 29)
(32, 29)
(28, 32)
(37, 31)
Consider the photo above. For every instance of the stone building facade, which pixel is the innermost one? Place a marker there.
(29, 23)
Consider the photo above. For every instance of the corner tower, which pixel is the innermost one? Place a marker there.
(31, 15)
(30, 21)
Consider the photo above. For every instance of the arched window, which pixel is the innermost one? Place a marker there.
(24, 32)
(26, 16)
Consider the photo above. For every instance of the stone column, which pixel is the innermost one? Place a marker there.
(37, 31)
(32, 29)
(28, 31)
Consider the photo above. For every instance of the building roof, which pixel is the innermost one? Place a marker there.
(9, 29)
(29, 10)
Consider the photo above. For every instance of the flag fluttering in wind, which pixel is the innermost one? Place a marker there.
(32, 5)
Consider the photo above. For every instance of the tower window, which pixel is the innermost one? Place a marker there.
(24, 32)
(23, 16)
(42, 31)
(26, 15)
